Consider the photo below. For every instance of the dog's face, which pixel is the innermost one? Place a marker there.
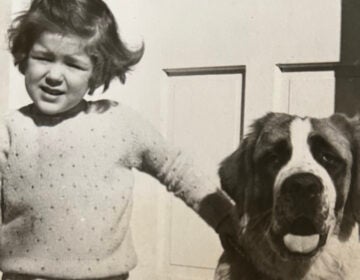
(294, 183)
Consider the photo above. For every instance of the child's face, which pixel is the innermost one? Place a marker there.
(58, 72)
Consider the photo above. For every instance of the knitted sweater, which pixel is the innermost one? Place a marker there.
(66, 192)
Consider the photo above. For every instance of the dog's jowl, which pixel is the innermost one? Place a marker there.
(296, 185)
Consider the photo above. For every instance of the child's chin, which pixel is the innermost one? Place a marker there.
(50, 109)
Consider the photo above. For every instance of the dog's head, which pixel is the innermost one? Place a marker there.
(295, 182)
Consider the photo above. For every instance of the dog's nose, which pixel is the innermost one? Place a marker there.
(302, 185)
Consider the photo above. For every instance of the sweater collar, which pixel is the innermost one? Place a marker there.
(49, 120)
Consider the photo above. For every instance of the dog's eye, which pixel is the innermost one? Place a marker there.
(272, 158)
(324, 153)
(327, 159)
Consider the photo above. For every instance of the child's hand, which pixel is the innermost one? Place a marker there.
(227, 231)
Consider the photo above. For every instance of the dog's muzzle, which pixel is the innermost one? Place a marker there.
(300, 215)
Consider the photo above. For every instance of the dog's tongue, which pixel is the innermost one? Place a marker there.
(301, 244)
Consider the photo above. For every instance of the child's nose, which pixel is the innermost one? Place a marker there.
(54, 76)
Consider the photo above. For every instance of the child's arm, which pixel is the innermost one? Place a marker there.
(4, 149)
(4, 145)
(180, 175)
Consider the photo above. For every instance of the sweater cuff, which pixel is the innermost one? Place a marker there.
(215, 208)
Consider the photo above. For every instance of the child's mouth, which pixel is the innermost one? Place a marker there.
(51, 91)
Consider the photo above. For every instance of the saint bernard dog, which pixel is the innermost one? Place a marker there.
(296, 184)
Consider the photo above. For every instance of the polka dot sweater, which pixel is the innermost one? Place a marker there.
(66, 188)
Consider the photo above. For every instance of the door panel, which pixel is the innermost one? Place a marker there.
(305, 90)
(313, 97)
(204, 119)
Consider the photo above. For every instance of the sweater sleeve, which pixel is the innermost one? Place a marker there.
(178, 172)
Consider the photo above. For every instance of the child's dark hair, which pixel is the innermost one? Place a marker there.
(89, 19)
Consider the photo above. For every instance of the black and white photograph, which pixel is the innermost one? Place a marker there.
(180, 140)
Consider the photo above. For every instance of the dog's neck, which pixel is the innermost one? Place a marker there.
(335, 261)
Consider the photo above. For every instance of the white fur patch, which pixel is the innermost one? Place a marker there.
(302, 161)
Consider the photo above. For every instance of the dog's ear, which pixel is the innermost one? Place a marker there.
(236, 171)
(355, 182)
(350, 128)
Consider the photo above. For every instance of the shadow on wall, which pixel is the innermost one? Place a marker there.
(347, 85)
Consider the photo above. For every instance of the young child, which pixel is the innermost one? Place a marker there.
(66, 163)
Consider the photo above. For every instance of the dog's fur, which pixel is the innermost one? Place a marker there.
(299, 176)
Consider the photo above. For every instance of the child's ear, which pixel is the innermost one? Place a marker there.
(22, 66)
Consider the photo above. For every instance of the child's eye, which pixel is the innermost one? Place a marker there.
(41, 58)
(76, 66)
